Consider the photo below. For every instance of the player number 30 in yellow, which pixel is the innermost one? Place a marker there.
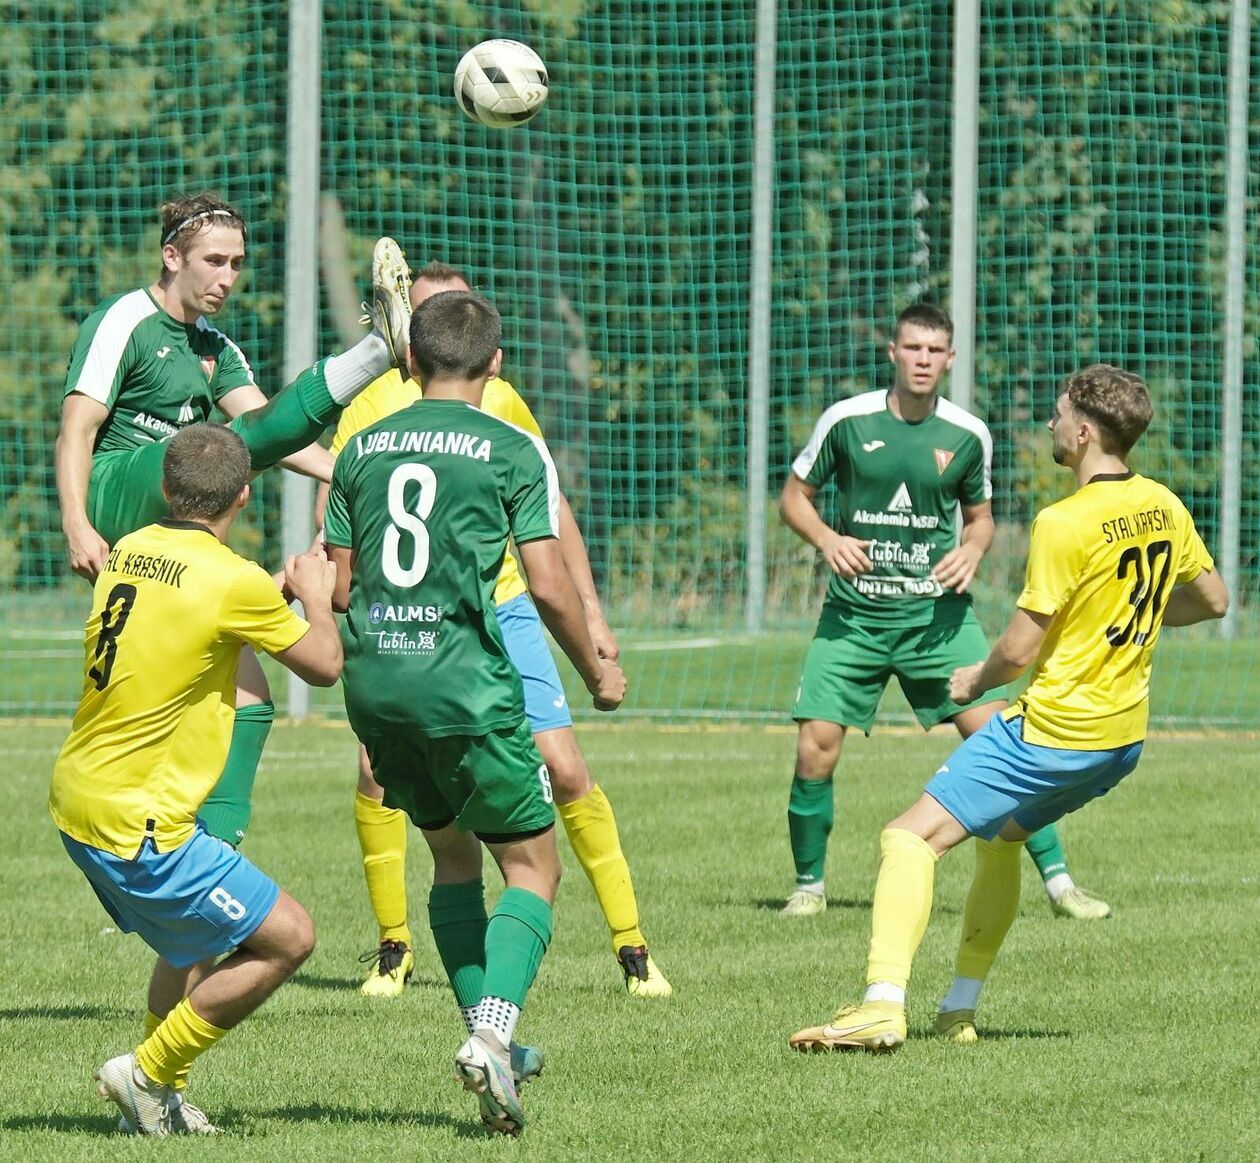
(1149, 568)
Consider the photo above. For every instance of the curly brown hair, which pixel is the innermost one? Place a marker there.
(1117, 401)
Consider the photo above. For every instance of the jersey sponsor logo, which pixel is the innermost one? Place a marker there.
(163, 352)
(872, 445)
(422, 642)
(144, 420)
(379, 612)
(898, 511)
(208, 363)
(897, 587)
(450, 443)
(943, 457)
(186, 412)
(916, 556)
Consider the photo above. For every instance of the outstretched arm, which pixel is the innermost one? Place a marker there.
(558, 603)
(316, 657)
(81, 419)
(1011, 655)
(578, 563)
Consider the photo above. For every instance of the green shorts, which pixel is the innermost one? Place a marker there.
(850, 662)
(494, 785)
(125, 490)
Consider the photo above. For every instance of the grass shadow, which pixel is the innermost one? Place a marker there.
(105, 1124)
(321, 1113)
(775, 904)
(352, 984)
(65, 1013)
(243, 1124)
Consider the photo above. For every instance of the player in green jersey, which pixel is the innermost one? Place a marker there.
(419, 513)
(146, 364)
(904, 463)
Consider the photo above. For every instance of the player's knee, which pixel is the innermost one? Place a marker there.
(816, 755)
(368, 786)
(297, 937)
(570, 779)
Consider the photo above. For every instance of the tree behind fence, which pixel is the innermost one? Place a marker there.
(614, 234)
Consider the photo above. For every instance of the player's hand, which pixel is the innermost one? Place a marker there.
(88, 551)
(611, 687)
(311, 578)
(957, 568)
(846, 555)
(963, 685)
(606, 644)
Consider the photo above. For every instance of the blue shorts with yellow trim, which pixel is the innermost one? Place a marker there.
(995, 776)
(545, 705)
(194, 902)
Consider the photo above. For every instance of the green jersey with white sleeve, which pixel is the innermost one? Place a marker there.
(427, 499)
(155, 374)
(899, 485)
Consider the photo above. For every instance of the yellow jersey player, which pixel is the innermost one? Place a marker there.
(582, 805)
(147, 746)
(1108, 567)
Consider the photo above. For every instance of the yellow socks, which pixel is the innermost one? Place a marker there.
(991, 906)
(902, 905)
(151, 1023)
(168, 1052)
(592, 832)
(382, 835)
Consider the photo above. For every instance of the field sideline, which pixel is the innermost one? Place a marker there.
(1129, 1039)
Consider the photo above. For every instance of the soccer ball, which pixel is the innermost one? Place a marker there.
(501, 83)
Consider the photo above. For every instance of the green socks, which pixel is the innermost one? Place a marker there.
(1046, 850)
(811, 813)
(516, 939)
(293, 418)
(457, 916)
(226, 812)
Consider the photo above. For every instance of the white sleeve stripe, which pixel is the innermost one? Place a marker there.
(862, 405)
(100, 366)
(553, 481)
(950, 412)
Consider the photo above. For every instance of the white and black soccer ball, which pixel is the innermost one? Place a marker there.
(501, 83)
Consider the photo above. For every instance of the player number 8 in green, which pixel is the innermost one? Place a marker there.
(408, 520)
(544, 778)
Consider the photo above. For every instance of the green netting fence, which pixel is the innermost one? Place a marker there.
(614, 233)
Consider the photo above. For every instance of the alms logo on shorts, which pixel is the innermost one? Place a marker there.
(943, 457)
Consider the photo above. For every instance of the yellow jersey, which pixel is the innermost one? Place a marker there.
(170, 612)
(1102, 563)
(386, 395)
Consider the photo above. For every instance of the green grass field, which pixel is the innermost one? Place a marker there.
(1129, 1039)
(698, 673)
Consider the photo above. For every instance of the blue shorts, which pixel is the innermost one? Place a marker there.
(995, 776)
(545, 705)
(195, 902)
